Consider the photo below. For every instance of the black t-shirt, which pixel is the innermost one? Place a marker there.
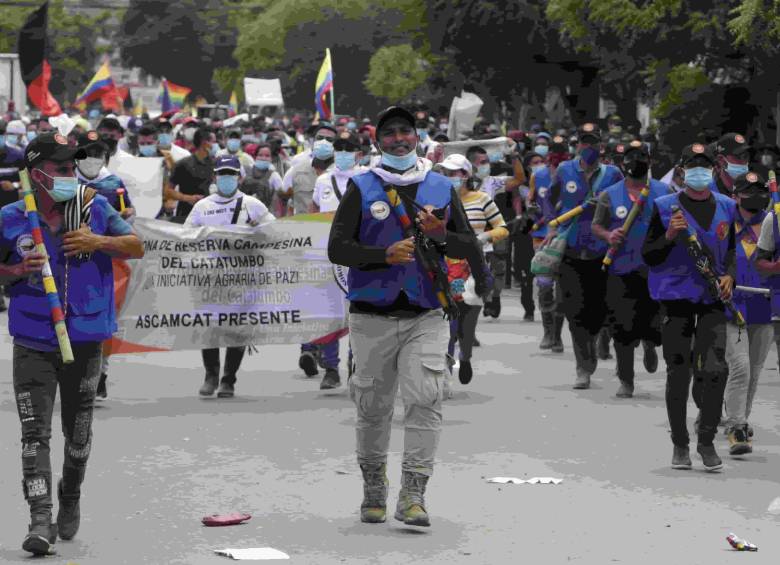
(11, 160)
(192, 176)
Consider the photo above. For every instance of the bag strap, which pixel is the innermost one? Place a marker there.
(335, 187)
(237, 211)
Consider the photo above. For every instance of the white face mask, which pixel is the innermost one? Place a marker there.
(90, 167)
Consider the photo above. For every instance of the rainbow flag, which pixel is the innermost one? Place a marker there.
(100, 85)
(323, 88)
(172, 96)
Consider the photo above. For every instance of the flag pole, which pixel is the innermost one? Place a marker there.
(332, 86)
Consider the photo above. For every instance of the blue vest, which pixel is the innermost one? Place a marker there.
(677, 277)
(107, 186)
(380, 226)
(774, 280)
(543, 181)
(90, 295)
(629, 257)
(574, 189)
(756, 309)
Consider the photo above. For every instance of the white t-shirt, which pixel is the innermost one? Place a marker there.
(323, 196)
(494, 185)
(177, 153)
(216, 210)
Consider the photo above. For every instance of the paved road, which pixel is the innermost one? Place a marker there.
(284, 452)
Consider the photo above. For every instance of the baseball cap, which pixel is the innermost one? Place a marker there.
(88, 139)
(394, 112)
(227, 163)
(457, 162)
(731, 144)
(559, 145)
(346, 141)
(588, 130)
(544, 135)
(749, 180)
(16, 127)
(636, 148)
(134, 124)
(51, 147)
(110, 123)
(697, 150)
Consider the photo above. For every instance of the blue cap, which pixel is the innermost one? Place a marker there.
(227, 162)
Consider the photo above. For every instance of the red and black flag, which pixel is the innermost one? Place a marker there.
(36, 71)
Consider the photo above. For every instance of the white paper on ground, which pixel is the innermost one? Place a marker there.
(253, 553)
(531, 481)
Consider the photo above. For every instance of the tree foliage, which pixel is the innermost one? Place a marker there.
(394, 73)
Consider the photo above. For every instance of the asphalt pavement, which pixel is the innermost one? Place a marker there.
(283, 451)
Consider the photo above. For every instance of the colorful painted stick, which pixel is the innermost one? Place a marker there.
(121, 193)
(565, 217)
(629, 221)
(57, 316)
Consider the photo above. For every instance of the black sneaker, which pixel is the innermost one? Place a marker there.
(681, 458)
(495, 309)
(68, 515)
(710, 457)
(102, 391)
(476, 343)
(226, 389)
(465, 372)
(529, 317)
(650, 358)
(41, 537)
(308, 362)
(331, 379)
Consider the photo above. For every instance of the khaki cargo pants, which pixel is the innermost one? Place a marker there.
(392, 352)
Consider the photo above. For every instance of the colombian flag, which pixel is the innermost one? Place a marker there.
(172, 96)
(324, 88)
(97, 89)
(233, 103)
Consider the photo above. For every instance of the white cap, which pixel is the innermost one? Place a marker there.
(16, 127)
(457, 162)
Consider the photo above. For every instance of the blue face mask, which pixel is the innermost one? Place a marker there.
(147, 150)
(14, 140)
(366, 160)
(351, 126)
(698, 178)
(165, 140)
(732, 169)
(261, 165)
(227, 184)
(483, 171)
(541, 150)
(2, 141)
(537, 169)
(233, 145)
(31, 135)
(589, 155)
(63, 188)
(457, 182)
(400, 163)
(214, 149)
(423, 133)
(322, 150)
(495, 157)
(344, 160)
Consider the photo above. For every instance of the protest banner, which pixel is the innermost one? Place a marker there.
(503, 144)
(208, 287)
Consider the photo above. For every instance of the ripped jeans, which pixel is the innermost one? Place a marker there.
(694, 343)
(36, 375)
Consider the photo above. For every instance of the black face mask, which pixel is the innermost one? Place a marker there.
(111, 142)
(754, 202)
(637, 168)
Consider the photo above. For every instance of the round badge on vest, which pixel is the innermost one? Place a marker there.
(571, 187)
(543, 192)
(621, 212)
(25, 245)
(380, 210)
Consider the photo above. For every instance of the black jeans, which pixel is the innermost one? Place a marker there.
(633, 315)
(233, 358)
(36, 375)
(583, 286)
(522, 253)
(464, 330)
(694, 343)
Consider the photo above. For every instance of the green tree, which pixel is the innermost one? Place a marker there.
(394, 73)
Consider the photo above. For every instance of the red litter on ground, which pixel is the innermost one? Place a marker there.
(740, 544)
(225, 519)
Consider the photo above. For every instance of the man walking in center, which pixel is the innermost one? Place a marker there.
(398, 335)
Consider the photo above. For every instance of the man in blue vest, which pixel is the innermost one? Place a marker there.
(80, 242)
(397, 332)
(732, 158)
(583, 283)
(689, 307)
(633, 314)
(746, 349)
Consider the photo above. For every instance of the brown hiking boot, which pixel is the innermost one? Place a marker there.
(411, 502)
(375, 483)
